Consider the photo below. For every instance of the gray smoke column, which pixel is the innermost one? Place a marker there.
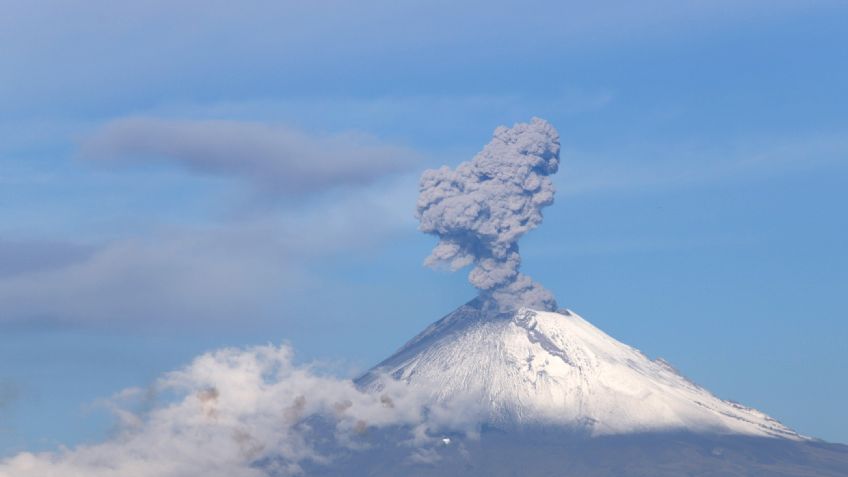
(480, 209)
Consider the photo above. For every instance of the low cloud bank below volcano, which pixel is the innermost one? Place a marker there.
(247, 413)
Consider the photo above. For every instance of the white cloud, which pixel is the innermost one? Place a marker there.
(246, 413)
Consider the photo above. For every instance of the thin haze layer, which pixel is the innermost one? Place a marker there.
(481, 209)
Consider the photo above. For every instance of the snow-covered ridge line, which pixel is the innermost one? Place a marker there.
(558, 369)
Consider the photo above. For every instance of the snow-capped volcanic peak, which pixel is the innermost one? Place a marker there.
(557, 369)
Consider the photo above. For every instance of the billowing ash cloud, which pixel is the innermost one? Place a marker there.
(480, 209)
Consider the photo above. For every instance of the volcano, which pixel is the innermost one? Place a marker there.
(518, 389)
(556, 396)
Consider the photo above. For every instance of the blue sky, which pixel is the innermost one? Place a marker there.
(147, 213)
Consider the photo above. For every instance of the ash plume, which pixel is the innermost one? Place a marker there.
(480, 209)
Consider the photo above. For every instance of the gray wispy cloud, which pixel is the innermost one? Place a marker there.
(26, 256)
(667, 166)
(72, 42)
(248, 269)
(9, 393)
(278, 159)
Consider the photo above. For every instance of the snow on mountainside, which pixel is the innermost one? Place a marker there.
(533, 367)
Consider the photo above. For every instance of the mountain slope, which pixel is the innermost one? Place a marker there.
(534, 452)
(556, 369)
